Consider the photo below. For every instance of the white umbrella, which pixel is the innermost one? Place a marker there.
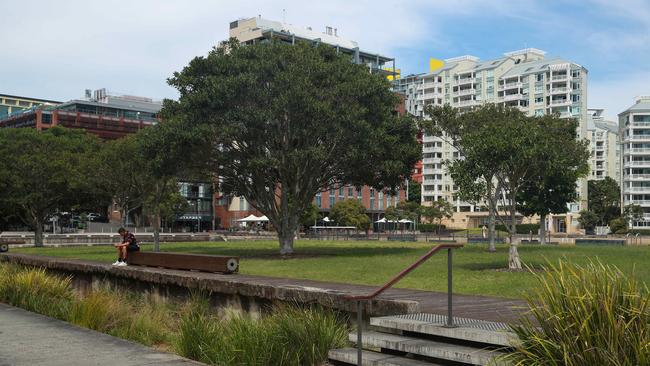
(381, 221)
(405, 221)
(249, 218)
(263, 218)
(326, 219)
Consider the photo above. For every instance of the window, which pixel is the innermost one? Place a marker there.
(539, 100)
(350, 192)
(372, 199)
(319, 200)
(575, 98)
(381, 200)
(575, 73)
(341, 196)
(539, 112)
(540, 77)
(242, 204)
(10, 101)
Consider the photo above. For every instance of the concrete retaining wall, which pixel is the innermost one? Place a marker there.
(248, 294)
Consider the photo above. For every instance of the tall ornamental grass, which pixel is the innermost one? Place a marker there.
(290, 335)
(585, 316)
(35, 290)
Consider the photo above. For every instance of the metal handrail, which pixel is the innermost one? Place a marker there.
(360, 298)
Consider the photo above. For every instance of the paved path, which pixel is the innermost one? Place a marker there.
(29, 339)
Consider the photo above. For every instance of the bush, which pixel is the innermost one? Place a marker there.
(290, 335)
(521, 228)
(642, 232)
(430, 228)
(592, 315)
(35, 290)
(617, 225)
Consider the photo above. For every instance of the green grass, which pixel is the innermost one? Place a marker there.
(372, 263)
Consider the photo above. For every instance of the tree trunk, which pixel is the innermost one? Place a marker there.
(38, 233)
(542, 229)
(491, 225)
(513, 258)
(286, 241)
(513, 254)
(156, 229)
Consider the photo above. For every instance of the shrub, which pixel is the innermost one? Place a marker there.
(591, 315)
(520, 228)
(35, 290)
(99, 310)
(430, 228)
(150, 322)
(290, 335)
(618, 225)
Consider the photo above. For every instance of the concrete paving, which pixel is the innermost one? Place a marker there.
(29, 339)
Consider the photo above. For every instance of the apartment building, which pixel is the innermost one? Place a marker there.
(523, 79)
(605, 158)
(634, 135)
(258, 29)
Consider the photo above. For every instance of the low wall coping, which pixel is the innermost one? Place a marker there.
(331, 295)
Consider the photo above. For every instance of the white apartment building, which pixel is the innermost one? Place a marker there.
(524, 79)
(258, 29)
(605, 158)
(634, 135)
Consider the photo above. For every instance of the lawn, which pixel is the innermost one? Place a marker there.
(372, 263)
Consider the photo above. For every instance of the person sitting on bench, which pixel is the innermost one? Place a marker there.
(128, 244)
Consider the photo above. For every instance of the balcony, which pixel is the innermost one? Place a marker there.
(562, 90)
(637, 189)
(637, 137)
(637, 202)
(559, 77)
(464, 92)
(432, 171)
(637, 177)
(467, 103)
(427, 96)
(506, 86)
(560, 102)
(509, 97)
(637, 151)
(464, 81)
(640, 124)
(636, 163)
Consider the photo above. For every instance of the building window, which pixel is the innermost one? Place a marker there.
(242, 204)
(341, 191)
(539, 112)
(381, 200)
(350, 192)
(319, 200)
(372, 199)
(539, 77)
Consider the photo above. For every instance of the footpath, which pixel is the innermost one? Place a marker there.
(29, 339)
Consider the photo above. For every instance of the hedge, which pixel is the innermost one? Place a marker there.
(430, 228)
(521, 228)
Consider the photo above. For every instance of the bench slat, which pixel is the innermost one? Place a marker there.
(199, 262)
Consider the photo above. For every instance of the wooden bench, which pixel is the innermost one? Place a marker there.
(4, 244)
(197, 262)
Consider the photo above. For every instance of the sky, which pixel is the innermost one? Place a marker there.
(57, 49)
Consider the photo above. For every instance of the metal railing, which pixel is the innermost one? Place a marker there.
(360, 299)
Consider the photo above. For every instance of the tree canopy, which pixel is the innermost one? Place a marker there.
(48, 171)
(289, 121)
(350, 212)
(604, 199)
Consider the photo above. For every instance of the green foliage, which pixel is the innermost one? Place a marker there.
(415, 192)
(585, 315)
(35, 290)
(588, 220)
(48, 171)
(288, 120)
(521, 228)
(618, 225)
(437, 211)
(430, 228)
(633, 213)
(309, 216)
(350, 212)
(290, 335)
(604, 199)
(560, 162)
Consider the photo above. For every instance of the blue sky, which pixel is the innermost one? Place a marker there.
(55, 50)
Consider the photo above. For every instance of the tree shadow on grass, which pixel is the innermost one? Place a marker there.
(501, 266)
